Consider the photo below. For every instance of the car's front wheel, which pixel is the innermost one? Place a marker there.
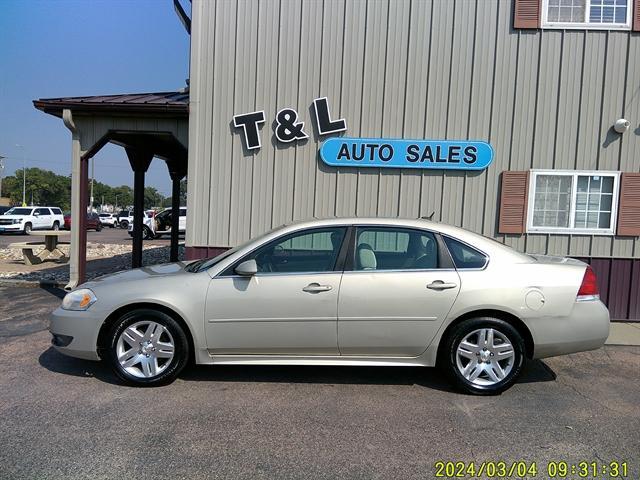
(27, 228)
(484, 355)
(147, 348)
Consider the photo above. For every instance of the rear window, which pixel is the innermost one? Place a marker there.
(463, 255)
(56, 211)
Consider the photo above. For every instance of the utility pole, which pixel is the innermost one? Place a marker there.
(24, 177)
(1, 172)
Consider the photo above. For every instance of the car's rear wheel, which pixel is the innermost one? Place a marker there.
(484, 355)
(124, 224)
(147, 233)
(56, 226)
(98, 227)
(147, 348)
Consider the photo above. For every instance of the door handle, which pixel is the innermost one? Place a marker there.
(316, 288)
(440, 285)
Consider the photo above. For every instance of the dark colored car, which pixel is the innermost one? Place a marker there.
(92, 222)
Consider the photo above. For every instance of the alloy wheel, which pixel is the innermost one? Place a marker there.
(145, 349)
(485, 357)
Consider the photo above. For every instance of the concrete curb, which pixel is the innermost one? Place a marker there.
(9, 282)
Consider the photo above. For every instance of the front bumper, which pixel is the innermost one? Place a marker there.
(586, 328)
(16, 227)
(83, 327)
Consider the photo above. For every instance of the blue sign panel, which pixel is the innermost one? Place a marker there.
(401, 153)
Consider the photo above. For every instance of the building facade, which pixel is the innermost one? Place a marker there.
(547, 87)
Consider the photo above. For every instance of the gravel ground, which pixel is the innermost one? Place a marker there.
(64, 418)
(102, 259)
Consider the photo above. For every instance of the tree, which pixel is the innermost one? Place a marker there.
(43, 187)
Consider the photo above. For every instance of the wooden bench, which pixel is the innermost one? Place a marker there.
(50, 250)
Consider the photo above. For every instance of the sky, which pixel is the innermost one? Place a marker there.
(59, 48)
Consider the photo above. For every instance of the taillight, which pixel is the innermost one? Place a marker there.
(589, 287)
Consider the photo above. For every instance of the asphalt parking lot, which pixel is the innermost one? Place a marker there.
(107, 235)
(68, 418)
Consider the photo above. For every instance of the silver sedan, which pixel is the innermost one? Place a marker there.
(341, 292)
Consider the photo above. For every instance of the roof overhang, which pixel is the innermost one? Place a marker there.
(175, 104)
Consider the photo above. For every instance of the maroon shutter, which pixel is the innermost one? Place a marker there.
(629, 205)
(527, 13)
(513, 202)
(635, 24)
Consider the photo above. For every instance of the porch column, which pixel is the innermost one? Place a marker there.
(79, 181)
(177, 174)
(139, 160)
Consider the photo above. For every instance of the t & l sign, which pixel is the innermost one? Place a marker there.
(288, 128)
(367, 152)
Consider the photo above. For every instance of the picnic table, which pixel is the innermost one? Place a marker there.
(50, 250)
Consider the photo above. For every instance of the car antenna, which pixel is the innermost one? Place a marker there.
(429, 217)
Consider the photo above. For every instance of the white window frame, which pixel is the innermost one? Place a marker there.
(572, 208)
(586, 25)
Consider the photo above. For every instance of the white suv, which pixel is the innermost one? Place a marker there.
(25, 219)
(107, 219)
(156, 226)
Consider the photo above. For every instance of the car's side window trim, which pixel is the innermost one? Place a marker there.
(338, 266)
(486, 256)
(445, 262)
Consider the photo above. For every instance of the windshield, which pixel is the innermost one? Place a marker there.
(207, 263)
(19, 211)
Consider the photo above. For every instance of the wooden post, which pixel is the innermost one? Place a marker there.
(139, 160)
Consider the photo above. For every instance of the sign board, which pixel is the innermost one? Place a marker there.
(401, 153)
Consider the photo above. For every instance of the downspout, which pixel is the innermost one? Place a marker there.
(76, 270)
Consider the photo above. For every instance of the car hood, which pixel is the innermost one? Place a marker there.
(4, 217)
(144, 273)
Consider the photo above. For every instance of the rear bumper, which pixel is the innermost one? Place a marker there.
(587, 328)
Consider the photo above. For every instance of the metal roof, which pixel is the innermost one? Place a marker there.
(174, 103)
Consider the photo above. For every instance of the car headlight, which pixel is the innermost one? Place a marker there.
(79, 299)
(17, 220)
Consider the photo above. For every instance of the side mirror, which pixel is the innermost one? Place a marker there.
(247, 268)
(36, 214)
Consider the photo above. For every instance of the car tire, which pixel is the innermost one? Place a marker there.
(483, 356)
(124, 224)
(142, 357)
(56, 226)
(98, 227)
(27, 228)
(147, 233)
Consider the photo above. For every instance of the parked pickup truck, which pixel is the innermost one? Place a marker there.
(160, 224)
(25, 219)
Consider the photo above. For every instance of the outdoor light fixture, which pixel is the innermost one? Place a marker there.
(621, 125)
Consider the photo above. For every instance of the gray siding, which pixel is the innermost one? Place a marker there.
(441, 69)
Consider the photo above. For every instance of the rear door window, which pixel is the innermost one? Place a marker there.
(390, 248)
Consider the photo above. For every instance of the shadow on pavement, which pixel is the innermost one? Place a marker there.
(55, 291)
(533, 372)
(56, 362)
